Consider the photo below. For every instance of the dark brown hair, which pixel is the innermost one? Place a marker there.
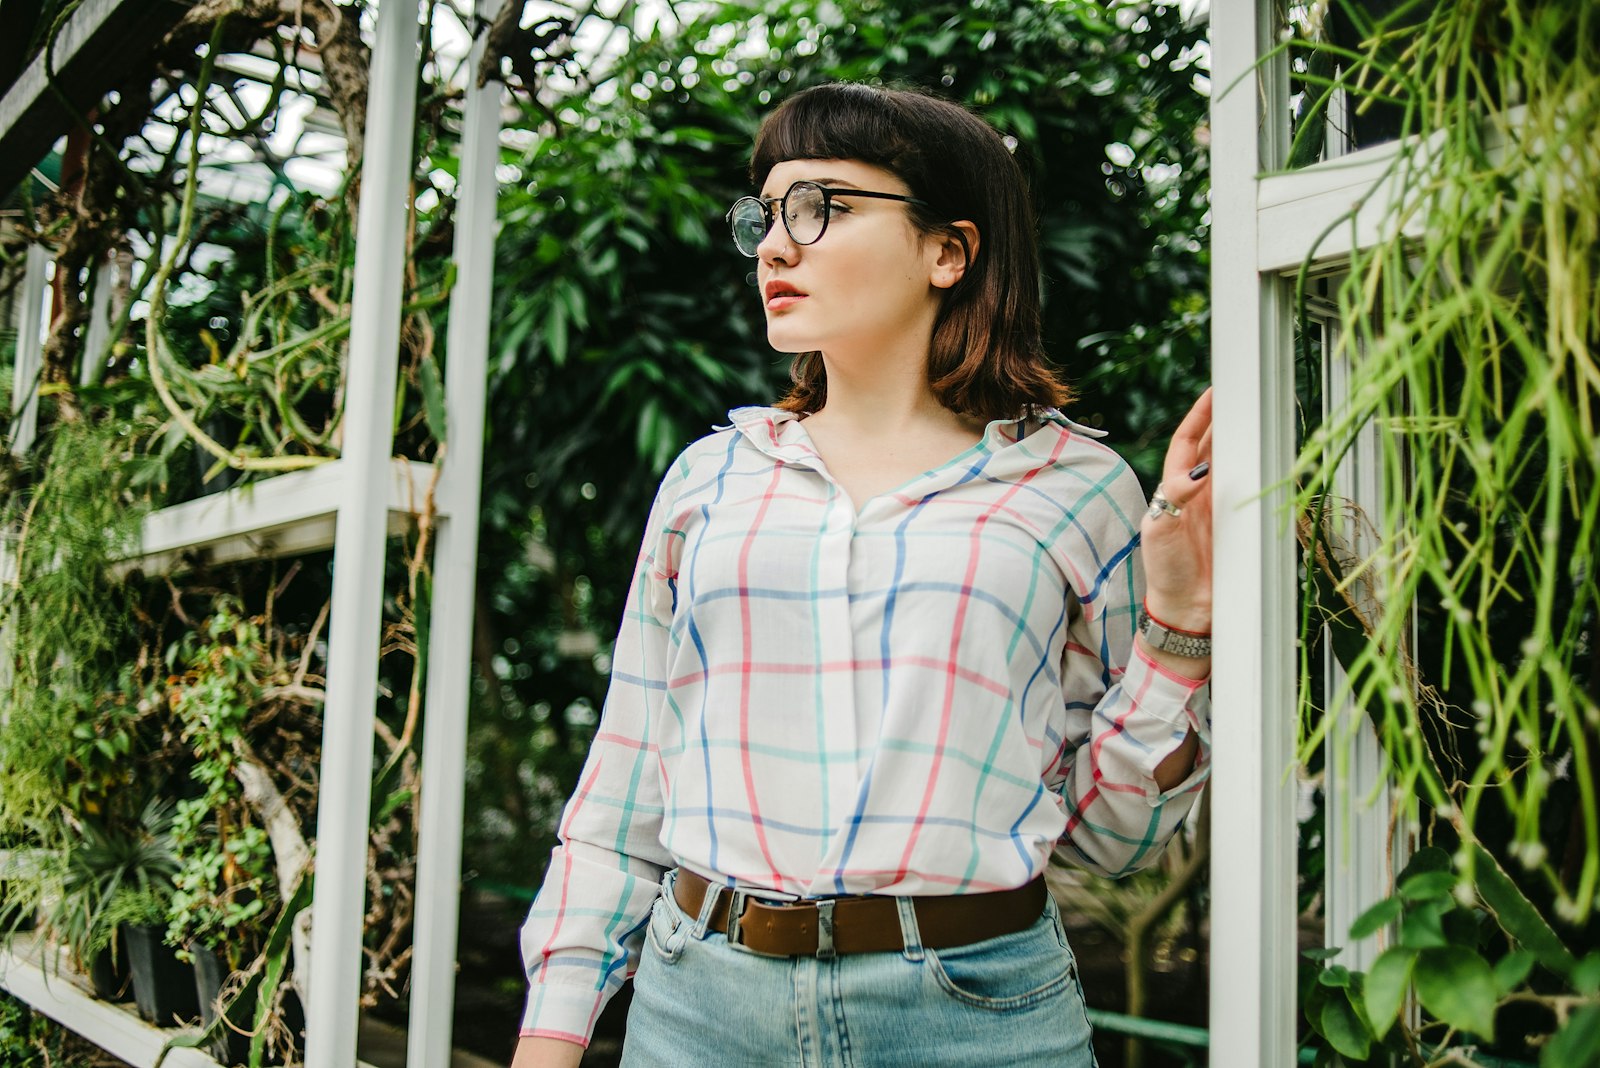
(986, 358)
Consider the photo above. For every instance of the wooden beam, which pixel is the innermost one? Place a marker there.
(96, 47)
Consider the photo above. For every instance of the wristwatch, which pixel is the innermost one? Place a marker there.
(1176, 642)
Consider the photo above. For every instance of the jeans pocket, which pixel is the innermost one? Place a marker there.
(1007, 973)
(667, 932)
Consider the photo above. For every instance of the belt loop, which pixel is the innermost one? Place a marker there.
(910, 934)
(825, 929)
(736, 901)
(708, 905)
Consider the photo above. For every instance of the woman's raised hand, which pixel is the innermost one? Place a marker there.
(1177, 538)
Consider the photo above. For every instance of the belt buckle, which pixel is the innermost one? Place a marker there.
(736, 906)
(737, 901)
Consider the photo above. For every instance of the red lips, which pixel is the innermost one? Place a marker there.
(777, 287)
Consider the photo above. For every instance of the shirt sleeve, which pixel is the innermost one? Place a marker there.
(584, 931)
(1125, 714)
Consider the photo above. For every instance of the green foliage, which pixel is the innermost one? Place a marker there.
(1465, 616)
(72, 706)
(135, 908)
(225, 891)
(1446, 940)
(73, 522)
(1475, 353)
(27, 1039)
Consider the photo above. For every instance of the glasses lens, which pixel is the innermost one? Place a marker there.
(749, 221)
(805, 211)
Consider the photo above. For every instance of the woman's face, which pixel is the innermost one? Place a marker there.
(866, 284)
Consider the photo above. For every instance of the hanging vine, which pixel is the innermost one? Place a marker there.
(1466, 619)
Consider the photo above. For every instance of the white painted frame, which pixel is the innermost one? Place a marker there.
(1364, 845)
(1266, 225)
(29, 358)
(1253, 668)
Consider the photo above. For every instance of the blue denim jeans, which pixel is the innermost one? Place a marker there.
(1009, 1001)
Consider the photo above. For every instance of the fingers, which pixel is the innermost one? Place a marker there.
(1195, 430)
(1188, 460)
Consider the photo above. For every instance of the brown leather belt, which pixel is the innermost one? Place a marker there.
(863, 924)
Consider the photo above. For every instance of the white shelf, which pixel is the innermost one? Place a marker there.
(63, 996)
(279, 516)
(1297, 207)
(114, 1030)
(1330, 209)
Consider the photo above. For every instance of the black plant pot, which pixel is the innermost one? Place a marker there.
(232, 1045)
(109, 971)
(163, 986)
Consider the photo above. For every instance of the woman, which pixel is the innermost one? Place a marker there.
(884, 649)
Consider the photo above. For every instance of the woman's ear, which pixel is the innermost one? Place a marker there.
(958, 248)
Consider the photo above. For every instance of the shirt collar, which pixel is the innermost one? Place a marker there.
(777, 431)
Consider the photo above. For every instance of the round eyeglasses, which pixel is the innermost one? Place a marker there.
(806, 209)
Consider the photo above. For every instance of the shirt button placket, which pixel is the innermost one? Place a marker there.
(836, 648)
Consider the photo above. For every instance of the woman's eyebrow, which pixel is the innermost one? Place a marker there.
(816, 181)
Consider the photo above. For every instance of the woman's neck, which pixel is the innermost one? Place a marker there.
(883, 391)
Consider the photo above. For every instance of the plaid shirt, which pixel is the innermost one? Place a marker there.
(925, 695)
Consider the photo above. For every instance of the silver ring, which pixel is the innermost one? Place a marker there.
(1159, 505)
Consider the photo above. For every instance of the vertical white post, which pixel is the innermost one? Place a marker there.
(1360, 857)
(30, 351)
(455, 562)
(358, 556)
(98, 334)
(24, 414)
(1253, 859)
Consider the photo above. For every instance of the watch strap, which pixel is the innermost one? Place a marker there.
(1176, 642)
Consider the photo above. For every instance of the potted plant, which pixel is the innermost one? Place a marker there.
(163, 987)
(216, 914)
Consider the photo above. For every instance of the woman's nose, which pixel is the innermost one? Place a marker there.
(777, 246)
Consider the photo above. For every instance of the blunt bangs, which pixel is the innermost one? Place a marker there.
(830, 122)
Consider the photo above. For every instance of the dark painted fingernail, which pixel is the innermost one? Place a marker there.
(1200, 470)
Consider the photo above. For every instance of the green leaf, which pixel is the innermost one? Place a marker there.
(432, 397)
(1424, 860)
(399, 399)
(1428, 886)
(1327, 953)
(1518, 916)
(1344, 1028)
(1336, 976)
(1576, 1043)
(1376, 918)
(393, 802)
(1385, 988)
(1423, 927)
(1457, 986)
(1586, 975)
(1511, 969)
(555, 332)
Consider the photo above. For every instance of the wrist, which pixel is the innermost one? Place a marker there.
(1179, 615)
(1173, 639)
